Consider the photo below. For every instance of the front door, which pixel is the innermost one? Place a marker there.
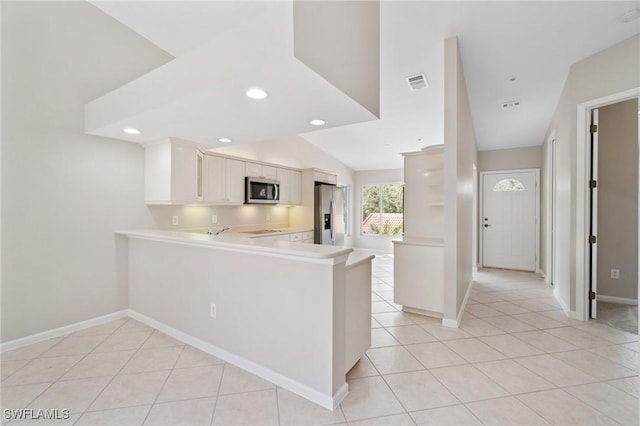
(508, 222)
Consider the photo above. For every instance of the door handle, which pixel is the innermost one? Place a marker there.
(486, 225)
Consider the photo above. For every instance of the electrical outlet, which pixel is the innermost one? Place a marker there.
(214, 218)
(213, 311)
(615, 274)
(268, 217)
(175, 220)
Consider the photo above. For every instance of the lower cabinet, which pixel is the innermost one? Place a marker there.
(296, 237)
(418, 275)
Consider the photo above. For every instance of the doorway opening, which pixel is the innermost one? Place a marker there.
(607, 234)
(613, 211)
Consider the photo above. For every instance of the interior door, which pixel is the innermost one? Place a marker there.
(509, 220)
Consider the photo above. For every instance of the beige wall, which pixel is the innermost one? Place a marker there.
(529, 157)
(460, 156)
(64, 192)
(618, 199)
(610, 71)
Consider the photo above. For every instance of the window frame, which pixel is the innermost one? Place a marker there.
(380, 208)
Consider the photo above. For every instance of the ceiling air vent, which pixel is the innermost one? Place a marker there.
(510, 104)
(417, 82)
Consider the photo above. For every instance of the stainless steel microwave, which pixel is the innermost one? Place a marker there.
(261, 191)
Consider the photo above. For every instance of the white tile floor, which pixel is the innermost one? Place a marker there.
(516, 360)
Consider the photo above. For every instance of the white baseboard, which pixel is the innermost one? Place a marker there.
(422, 312)
(326, 401)
(61, 331)
(614, 299)
(569, 313)
(456, 323)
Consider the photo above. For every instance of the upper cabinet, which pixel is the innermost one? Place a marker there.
(289, 186)
(260, 171)
(179, 172)
(324, 177)
(173, 173)
(224, 182)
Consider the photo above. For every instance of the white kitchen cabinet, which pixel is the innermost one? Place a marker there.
(289, 186)
(260, 170)
(224, 180)
(281, 237)
(173, 173)
(418, 266)
(419, 255)
(324, 177)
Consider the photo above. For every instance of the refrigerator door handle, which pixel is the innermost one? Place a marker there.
(333, 213)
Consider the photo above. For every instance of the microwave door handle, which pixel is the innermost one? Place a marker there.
(276, 189)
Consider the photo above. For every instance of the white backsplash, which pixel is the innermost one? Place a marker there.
(199, 217)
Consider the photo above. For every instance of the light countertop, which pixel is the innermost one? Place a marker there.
(240, 241)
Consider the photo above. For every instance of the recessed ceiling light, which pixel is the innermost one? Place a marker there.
(387, 144)
(256, 93)
(224, 140)
(131, 131)
(318, 122)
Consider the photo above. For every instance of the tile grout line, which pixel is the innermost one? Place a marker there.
(59, 379)
(215, 404)
(117, 373)
(165, 380)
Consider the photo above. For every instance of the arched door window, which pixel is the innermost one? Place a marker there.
(508, 185)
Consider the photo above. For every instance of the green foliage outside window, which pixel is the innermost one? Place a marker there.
(382, 208)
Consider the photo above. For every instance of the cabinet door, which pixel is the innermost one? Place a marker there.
(215, 185)
(235, 181)
(184, 173)
(332, 178)
(253, 169)
(269, 172)
(283, 177)
(295, 179)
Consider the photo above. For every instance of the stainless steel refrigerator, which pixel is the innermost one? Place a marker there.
(329, 215)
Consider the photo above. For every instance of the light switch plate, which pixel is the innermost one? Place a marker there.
(175, 220)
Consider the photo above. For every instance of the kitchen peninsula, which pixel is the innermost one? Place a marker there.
(295, 314)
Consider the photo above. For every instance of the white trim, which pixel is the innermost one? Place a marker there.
(550, 207)
(614, 299)
(456, 323)
(565, 309)
(328, 402)
(582, 194)
(537, 212)
(61, 331)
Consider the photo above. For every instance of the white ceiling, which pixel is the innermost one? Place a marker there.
(535, 42)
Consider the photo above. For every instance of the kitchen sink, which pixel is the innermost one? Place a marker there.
(263, 231)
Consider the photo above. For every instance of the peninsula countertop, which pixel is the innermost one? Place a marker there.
(240, 241)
